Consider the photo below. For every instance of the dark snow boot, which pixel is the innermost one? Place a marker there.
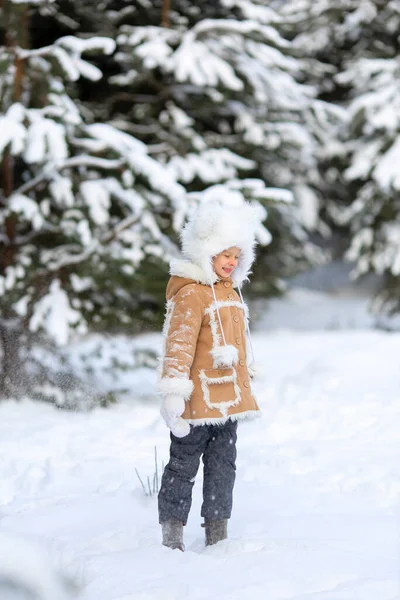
(216, 531)
(172, 534)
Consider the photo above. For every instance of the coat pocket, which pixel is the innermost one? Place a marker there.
(220, 388)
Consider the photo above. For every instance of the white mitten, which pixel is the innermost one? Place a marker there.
(172, 407)
(180, 427)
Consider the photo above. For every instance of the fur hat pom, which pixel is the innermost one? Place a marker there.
(204, 225)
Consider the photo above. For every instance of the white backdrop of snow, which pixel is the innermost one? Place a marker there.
(317, 489)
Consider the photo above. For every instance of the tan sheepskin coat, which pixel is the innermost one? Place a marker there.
(215, 389)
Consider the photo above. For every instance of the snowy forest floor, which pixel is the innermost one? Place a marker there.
(316, 507)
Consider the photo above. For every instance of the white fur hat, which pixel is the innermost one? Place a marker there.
(216, 226)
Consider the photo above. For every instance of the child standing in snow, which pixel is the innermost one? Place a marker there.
(205, 380)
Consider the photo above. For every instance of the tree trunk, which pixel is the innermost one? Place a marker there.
(12, 372)
(166, 8)
(16, 33)
(16, 23)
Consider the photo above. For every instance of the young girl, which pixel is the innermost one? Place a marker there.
(205, 380)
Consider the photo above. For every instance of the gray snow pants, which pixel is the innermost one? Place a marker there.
(217, 445)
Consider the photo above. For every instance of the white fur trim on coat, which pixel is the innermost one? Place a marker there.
(206, 382)
(188, 270)
(176, 386)
(224, 356)
(248, 415)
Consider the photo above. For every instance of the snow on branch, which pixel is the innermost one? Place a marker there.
(54, 313)
(248, 28)
(67, 51)
(12, 129)
(35, 2)
(67, 255)
(79, 45)
(386, 173)
(70, 163)
(135, 153)
(374, 119)
(195, 61)
(154, 45)
(254, 10)
(210, 166)
(200, 54)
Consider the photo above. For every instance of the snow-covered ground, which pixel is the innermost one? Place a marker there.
(317, 498)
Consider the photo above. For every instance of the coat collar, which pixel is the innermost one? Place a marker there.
(188, 270)
(184, 268)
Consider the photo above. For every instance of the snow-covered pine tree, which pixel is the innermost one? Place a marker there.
(323, 28)
(222, 98)
(322, 31)
(82, 204)
(361, 167)
(369, 162)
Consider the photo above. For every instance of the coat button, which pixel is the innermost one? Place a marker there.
(237, 341)
(230, 296)
(227, 284)
(241, 362)
(246, 384)
(236, 319)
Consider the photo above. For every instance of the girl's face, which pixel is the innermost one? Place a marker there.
(226, 262)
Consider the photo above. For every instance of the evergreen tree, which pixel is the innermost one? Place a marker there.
(360, 168)
(208, 131)
(359, 41)
(224, 97)
(368, 161)
(86, 212)
(82, 204)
